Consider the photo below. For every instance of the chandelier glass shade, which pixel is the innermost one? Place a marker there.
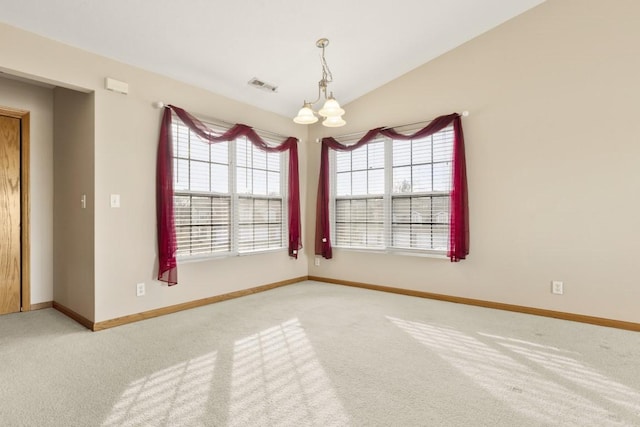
(331, 110)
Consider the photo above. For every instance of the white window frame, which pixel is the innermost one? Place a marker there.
(388, 198)
(234, 198)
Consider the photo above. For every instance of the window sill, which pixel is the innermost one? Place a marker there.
(400, 252)
(187, 259)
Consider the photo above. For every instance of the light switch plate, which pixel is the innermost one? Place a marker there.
(115, 200)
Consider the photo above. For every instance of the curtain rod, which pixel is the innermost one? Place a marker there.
(161, 105)
(465, 113)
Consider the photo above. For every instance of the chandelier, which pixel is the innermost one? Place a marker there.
(331, 110)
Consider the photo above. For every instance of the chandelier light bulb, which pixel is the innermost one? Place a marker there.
(305, 115)
(331, 108)
(334, 122)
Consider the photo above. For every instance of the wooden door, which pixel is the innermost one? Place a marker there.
(10, 215)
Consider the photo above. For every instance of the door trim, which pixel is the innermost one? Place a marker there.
(25, 204)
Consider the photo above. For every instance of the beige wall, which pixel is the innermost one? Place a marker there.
(73, 237)
(39, 101)
(126, 138)
(552, 151)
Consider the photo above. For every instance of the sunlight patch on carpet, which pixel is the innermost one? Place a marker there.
(575, 371)
(166, 397)
(278, 380)
(500, 372)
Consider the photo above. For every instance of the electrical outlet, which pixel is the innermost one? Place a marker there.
(317, 262)
(557, 287)
(140, 289)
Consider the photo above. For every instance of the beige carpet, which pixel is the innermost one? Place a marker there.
(315, 354)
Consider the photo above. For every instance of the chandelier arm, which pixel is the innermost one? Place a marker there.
(331, 110)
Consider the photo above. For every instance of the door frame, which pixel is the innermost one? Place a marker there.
(25, 205)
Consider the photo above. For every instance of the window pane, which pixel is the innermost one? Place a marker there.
(273, 162)
(343, 234)
(440, 237)
(219, 178)
(421, 178)
(421, 210)
(375, 210)
(260, 182)
(201, 210)
(376, 181)
(401, 153)
(183, 239)
(273, 183)
(440, 210)
(259, 158)
(375, 235)
(343, 185)
(401, 210)
(261, 236)
(220, 152)
(244, 181)
(180, 174)
(402, 180)
(343, 211)
(275, 212)
(359, 158)
(199, 149)
(421, 237)
(275, 236)
(343, 161)
(199, 176)
(421, 151)
(260, 211)
(358, 235)
(181, 142)
(442, 176)
(443, 145)
(243, 156)
(221, 211)
(245, 210)
(359, 183)
(376, 154)
(401, 236)
(221, 239)
(245, 237)
(182, 210)
(200, 240)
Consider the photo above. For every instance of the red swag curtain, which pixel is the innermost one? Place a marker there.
(167, 245)
(459, 218)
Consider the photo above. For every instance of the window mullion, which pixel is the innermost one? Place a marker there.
(284, 202)
(388, 188)
(332, 193)
(235, 211)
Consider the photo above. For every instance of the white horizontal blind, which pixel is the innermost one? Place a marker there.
(220, 208)
(202, 200)
(420, 193)
(394, 194)
(359, 203)
(260, 203)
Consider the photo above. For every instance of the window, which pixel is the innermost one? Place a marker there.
(394, 194)
(228, 196)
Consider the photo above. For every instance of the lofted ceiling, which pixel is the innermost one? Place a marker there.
(220, 45)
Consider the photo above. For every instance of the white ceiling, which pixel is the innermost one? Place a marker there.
(221, 45)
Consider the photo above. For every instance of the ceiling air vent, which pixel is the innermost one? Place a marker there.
(259, 84)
